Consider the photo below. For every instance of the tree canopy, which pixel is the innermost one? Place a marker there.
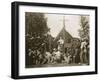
(35, 23)
(84, 30)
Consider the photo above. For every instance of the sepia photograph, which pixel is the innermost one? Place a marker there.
(56, 40)
(50, 40)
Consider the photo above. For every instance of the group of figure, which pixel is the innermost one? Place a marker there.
(70, 55)
(39, 51)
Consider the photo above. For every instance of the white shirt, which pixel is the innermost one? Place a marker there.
(83, 44)
(61, 41)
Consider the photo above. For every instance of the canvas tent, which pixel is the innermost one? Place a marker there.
(65, 36)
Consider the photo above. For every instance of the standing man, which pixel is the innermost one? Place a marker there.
(83, 56)
(60, 44)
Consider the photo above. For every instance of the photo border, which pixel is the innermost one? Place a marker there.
(15, 39)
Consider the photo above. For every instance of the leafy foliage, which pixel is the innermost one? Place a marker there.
(36, 23)
(84, 30)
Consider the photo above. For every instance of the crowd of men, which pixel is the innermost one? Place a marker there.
(59, 54)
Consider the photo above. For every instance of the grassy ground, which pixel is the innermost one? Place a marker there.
(55, 65)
